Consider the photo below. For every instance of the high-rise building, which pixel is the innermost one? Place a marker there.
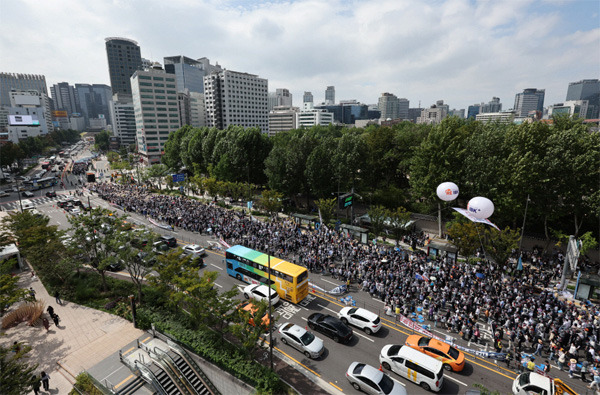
(156, 109)
(346, 111)
(500, 116)
(529, 100)
(183, 106)
(414, 113)
(197, 110)
(586, 90)
(389, 105)
(473, 110)
(492, 106)
(307, 101)
(313, 117)
(234, 98)
(123, 118)
(280, 98)
(330, 95)
(457, 113)
(572, 108)
(190, 72)
(124, 58)
(434, 114)
(282, 119)
(22, 82)
(64, 98)
(28, 115)
(93, 101)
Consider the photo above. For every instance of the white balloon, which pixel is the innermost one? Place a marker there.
(480, 207)
(447, 191)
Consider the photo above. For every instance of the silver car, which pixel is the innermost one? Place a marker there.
(302, 340)
(366, 378)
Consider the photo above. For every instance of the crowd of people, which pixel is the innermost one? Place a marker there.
(518, 311)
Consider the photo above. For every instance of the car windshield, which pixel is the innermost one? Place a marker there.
(307, 338)
(386, 384)
(424, 341)
(524, 379)
(453, 352)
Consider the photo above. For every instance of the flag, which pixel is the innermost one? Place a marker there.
(520, 265)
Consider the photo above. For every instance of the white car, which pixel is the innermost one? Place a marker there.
(260, 292)
(302, 340)
(75, 211)
(533, 383)
(194, 249)
(361, 318)
(368, 379)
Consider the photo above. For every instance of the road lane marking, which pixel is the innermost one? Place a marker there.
(361, 335)
(336, 386)
(330, 282)
(326, 308)
(453, 379)
(293, 359)
(220, 286)
(218, 267)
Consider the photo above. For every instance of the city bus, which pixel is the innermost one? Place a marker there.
(289, 280)
(45, 165)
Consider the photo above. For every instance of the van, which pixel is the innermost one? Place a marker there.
(27, 204)
(413, 365)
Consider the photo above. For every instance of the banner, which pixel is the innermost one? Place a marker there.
(472, 218)
(224, 243)
(163, 226)
(338, 290)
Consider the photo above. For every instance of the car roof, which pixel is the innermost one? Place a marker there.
(368, 371)
(295, 330)
(539, 380)
(365, 313)
(415, 356)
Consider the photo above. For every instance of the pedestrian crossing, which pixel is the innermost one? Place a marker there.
(35, 201)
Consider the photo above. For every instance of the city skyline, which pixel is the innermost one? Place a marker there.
(462, 52)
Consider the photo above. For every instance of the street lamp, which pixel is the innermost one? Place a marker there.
(270, 315)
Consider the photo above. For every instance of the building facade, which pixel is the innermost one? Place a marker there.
(572, 108)
(189, 72)
(330, 95)
(280, 98)
(156, 110)
(235, 98)
(502, 117)
(434, 114)
(28, 115)
(529, 100)
(586, 90)
(282, 119)
(313, 117)
(21, 82)
(389, 105)
(122, 117)
(492, 106)
(197, 110)
(124, 58)
(64, 98)
(93, 102)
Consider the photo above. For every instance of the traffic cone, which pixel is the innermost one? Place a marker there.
(380, 367)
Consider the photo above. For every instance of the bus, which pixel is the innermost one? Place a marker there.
(289, 280)
(45, 165)
(40, 183)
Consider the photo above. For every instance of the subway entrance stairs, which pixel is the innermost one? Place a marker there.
(165, 367)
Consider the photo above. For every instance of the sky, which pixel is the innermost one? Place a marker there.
(459, 51)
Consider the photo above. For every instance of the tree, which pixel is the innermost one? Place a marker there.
(319, 172)
(112, 156)
(271, 201)
(378, 216)
(399, 220)
(102, 140)
(249, 326)
(326, 208)
(16, 375)
(9, 153)
(464, 235)
(157, 171)
(349, 159)
(500, 244)
(138, 262)
(172, 155)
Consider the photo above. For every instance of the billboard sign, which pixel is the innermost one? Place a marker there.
(178, 177)
(23, 120)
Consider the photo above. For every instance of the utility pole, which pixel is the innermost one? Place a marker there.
(19, 194)
(270, 305)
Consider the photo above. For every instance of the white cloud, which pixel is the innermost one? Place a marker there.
(461, 51)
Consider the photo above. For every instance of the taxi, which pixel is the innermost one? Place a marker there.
(451, 358)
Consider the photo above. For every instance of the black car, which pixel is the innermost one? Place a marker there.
(169, 240)
(51, 194)
(62, 203)
(330, 326)
(78, 203)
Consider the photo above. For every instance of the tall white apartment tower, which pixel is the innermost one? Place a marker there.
(156, 110)
(234, 98)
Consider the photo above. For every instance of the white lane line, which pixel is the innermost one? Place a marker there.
(378, 300)
(402, 384)
(220, 286)
(361, 335)
(304, 318)
(453, 379)
(327, 308)
(330, 282)
(218, 267)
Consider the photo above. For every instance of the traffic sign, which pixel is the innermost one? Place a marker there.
(178, 177)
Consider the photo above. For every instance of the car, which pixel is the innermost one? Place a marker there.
(368, 379)
(27, 194)
(533, 383)
(75, 211)
(361, 318)
(4, 193)
(77, 202)
(194, 249)
(302, 340)
(330, 326)
(115, 267)
(260, 292)
(51, 194)
(451, 358)
(169, 240)
(251, 309)
(62, 203)
(413, 365)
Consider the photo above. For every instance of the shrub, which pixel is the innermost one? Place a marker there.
(84, 384)
(30, 312)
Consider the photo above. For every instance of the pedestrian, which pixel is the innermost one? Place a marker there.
(35, 384)
(595, 380)
(46, 323)
(562, 358)
(508, 358)
(45, 381)
(56, 319)
(50, 310)
(538, 348)
(57, 297)
(32, 293)
(583, 371)
(16, 347)
(572, 367)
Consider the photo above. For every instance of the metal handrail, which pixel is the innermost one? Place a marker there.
(190, 361)
(167, 360)
(150, 377)
(164, 365)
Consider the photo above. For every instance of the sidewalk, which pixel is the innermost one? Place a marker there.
(83, 338)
